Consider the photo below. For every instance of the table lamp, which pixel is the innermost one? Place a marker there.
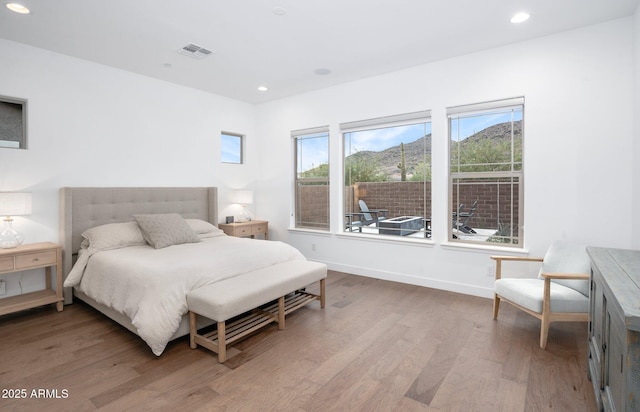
(13, 204)
(243, 198)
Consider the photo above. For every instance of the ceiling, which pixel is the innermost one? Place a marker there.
(282, 43)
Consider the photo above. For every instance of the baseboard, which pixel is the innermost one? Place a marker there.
(413, 280)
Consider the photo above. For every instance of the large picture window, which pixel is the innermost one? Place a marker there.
(387, 176)
(311, 148)
(486, 172)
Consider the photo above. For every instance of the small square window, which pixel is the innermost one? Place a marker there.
(231, 148)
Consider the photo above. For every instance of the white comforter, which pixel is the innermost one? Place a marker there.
(150, 285)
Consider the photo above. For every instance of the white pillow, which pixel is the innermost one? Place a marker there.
(204, 229)
(162, 230)
(112, 236)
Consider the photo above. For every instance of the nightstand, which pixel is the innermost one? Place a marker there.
(246, 229)
(33, 256)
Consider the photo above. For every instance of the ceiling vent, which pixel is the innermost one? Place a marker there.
(194, 51)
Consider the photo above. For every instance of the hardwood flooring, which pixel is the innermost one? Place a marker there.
(377, 346)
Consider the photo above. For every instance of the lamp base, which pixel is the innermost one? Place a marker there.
(9, 238)
(244, 216)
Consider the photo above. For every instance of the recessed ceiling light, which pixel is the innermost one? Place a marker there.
(18, 8)
(263, 88)
(520, 17)
(322, 72)
(279, 11)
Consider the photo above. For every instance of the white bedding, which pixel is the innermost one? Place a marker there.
(150, 285)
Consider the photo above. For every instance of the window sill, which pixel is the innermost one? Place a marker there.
(413, 241)
(317, 232)
(485, 248)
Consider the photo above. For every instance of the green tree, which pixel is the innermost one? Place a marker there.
(422, 171)
(361, 169)
(485, 155)
(319, 171)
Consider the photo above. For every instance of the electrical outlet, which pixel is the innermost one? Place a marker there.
(313, 247)
(491, 270)
(3, 289)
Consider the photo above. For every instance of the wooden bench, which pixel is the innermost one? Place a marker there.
(239, 295)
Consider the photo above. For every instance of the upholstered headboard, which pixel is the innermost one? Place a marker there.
(84, 207)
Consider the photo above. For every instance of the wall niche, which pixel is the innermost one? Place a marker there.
(13, 123)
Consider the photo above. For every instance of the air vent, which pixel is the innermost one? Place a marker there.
(194, 51)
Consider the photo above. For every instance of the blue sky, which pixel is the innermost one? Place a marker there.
(230, 148)
(315, 150)
(381, 139)
(469, 125)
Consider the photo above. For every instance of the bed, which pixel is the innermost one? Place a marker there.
(114, 280)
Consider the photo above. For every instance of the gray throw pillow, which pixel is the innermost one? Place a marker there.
(162, 230)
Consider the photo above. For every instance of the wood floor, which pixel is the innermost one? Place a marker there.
(377, 346)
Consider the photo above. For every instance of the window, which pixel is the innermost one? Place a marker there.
(311, 148)
(486, 172)
(231, 148)
(387, 176)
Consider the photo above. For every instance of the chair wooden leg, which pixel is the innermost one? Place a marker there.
(546, 314)
(496, 305)
(544, 332)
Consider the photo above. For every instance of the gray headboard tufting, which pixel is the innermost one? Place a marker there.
(84, 207)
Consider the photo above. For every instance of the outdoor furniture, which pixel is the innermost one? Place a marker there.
(365, 217)
(461, 219)
(559, 294)
(401, 226)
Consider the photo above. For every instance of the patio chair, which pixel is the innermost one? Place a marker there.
(559, 294)
(365, 217)
(461, 219)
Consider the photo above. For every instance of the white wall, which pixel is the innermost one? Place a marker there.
(636, 146)
(578, 150)
(91, 125)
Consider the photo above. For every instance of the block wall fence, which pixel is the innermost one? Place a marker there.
(406, 199)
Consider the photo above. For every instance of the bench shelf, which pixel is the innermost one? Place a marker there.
(245, 324)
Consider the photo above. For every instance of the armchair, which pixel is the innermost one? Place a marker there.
(559, 294)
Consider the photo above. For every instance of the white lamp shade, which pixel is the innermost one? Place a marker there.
(242, 197)
(15, 203)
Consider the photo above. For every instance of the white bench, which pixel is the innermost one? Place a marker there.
(229, 298)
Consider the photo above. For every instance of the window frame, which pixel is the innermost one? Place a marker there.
(240, 155)
(512, 177)
(405, 119)
(299, 182)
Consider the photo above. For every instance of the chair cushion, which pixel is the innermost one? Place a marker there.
(528, 293)
(565, 257)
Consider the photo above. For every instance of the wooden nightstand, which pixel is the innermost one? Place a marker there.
(26, 257)
(244, 229)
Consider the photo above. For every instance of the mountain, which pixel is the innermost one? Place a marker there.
(386, 161)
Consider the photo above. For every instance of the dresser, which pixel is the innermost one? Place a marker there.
(614, 328)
